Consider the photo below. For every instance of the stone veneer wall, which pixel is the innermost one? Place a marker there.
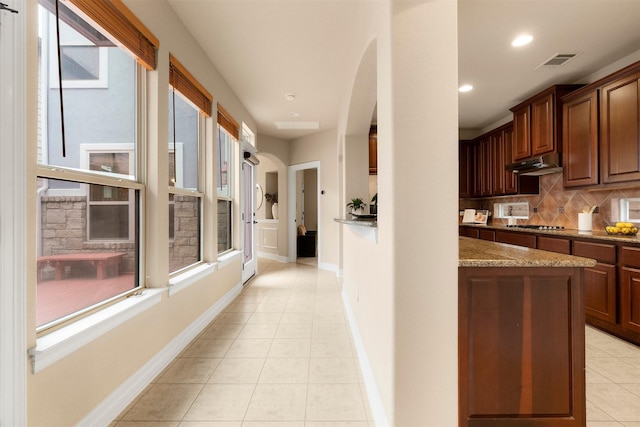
(553, 198)
(184, 249)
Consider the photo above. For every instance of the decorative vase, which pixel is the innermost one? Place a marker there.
(274, 210)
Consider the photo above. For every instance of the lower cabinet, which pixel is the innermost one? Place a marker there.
(521, 347)
(516, 238)
(630, 288)
(611, 287)
(600, 292)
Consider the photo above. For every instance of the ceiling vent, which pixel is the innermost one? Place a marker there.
(557, 60)
(298, 125)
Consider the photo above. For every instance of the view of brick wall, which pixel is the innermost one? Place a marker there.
(184, 250)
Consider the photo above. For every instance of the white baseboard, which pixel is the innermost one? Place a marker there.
(105, 412)
(328, 267)
(275, 257)
(375, 402)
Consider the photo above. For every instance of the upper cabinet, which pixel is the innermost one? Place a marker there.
(466, 165)
(580, 139)
(373, 150)
(601, 131)
(537, 123)
(620, 130)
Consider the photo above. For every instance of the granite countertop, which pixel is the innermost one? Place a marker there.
(363, 222)
(482, 253)
(595, 234)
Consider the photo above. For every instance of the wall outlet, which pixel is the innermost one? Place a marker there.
(535, 210)
(561, 209)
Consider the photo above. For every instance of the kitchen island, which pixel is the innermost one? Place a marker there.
(521, 336)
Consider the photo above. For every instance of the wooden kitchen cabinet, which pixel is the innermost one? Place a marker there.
(537, 123)
(580, 139)
(521, 133)
(554, 244)
(630, 288)
(600, 292)
(511, 179)
(485, 234)
(620, 129)
(485, 166)
(516, 238)
(373, 150)
(499, 173)
(521, 347)
(466, 165)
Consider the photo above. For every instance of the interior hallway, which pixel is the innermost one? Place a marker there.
(280, 355)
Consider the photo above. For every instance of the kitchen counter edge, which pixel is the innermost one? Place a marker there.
(482, 253)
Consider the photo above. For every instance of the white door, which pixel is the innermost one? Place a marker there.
(249, 261)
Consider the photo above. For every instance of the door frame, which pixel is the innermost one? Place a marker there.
(291, 208)
(245, 272)
(13, 265)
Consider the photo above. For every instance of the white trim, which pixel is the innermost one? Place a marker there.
(291, 209)
(57, 345)
(106, 411)
(375, 401)
(188, 278)
(274, 257)
(328, 267)
(228, 257)
(13, 228)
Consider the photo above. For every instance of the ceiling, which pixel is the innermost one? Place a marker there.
(265, 49)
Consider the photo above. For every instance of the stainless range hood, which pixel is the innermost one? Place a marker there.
(540, 165)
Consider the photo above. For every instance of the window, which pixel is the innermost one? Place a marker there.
(188, 103)
(89, 188)
(228, 134)
(629, 210)
(185, 196)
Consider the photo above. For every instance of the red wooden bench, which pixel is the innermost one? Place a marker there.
(101, 261)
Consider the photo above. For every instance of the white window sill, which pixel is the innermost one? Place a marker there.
(228, 257)
(186, 279)
(60, 343)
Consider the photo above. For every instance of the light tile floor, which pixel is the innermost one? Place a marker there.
(613, 381)
(281, 355)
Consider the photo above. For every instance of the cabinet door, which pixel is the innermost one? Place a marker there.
(554, 244)
(486, 167)
(498, 164)
(620, 130)
(521, 133)
(630, 299)
(600, 292)
(516, 238)
(542, 126)
(469, 232)
(373, 150)
(489, 235)
(580, 140)
(511, 179)
(467, 169)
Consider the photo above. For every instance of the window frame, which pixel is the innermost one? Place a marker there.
(230, 194)
(198, 192)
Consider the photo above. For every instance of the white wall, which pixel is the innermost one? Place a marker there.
(403, 289)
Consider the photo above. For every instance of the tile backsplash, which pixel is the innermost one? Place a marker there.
(559, 206)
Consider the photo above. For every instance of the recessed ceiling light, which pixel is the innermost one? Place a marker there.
(465, 88)
(521, 40)
(289, 96)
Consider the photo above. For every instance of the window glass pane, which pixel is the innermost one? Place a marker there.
(185, 150)
(99, 95)
(224, 225)
(224, 167)
(75, 271)
(184, 214)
